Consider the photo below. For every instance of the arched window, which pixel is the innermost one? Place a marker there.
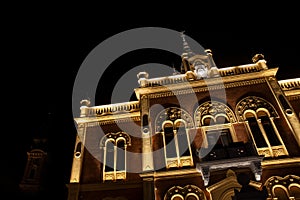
(280, 192)
(121, 154)
(258, 114)
(169, 137)
(294, 190)
(173, 124)
(188, 192)
(255, 130)
(109, 156)
(114, 147)
(182, 138)
(287, 187)
(215, 119)
(177, 197)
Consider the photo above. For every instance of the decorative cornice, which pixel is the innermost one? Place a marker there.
(189, 90)
(165, 174)
(293, 97)
(290, 84)
(278, 163)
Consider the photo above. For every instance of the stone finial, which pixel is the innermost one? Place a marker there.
(142, 78)
(257, 57)
(85, 102)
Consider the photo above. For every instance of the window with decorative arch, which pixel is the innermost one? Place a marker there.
(258, 115)
(188, 192)
(216, 121)
(172, 124)
(283, 188)
(114, 147)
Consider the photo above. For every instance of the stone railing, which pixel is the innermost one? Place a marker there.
(243, 69)
(110, 109)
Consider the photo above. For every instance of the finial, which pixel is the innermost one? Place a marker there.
(257, 57)
(85, 102)
(182, 35)
(208, 51)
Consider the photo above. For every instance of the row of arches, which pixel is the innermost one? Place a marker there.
(216, 120)
(215, 112)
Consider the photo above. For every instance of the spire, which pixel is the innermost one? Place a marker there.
(202, 65)
(187, 51)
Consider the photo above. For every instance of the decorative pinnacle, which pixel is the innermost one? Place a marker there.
(186, 48)
(85, 102)
(257, 57)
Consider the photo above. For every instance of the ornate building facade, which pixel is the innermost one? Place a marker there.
(201, 134)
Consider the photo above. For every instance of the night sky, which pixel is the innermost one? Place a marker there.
(45, 55)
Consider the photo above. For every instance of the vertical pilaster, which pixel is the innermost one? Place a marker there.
(78, 154)
(148, 188)
(147, 163)
(286, 108)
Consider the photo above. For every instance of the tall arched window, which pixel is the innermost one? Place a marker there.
(258, 115)
(173, 124)
(114, 147)
(182, 138)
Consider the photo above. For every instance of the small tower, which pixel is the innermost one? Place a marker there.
(33, 180)
(201, 65)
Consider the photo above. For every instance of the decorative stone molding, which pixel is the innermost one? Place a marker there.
(290, 84)
(172, 114)
(115, 136)
(287, 187)
(204, 88)
(253, 103)
(213, 108)
(184, 193)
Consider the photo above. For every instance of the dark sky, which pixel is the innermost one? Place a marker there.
(44, 56)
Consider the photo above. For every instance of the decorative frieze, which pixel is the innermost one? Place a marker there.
(290, 84)
(113, 121)
(191, 90)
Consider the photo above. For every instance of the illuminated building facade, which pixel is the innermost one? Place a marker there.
(201, 134)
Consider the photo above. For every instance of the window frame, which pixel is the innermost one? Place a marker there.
(269, 151)
(178, 161)
(115, 174)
